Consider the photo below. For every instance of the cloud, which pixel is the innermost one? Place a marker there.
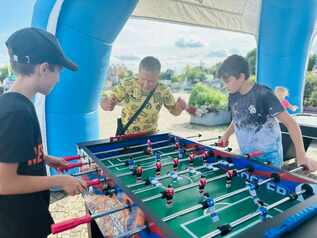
(128, 57)
(217, 54)
(188, 43)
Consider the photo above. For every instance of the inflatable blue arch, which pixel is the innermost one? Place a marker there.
(87, 30)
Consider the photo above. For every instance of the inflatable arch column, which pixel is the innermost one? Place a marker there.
(284, 38)
(86, 31)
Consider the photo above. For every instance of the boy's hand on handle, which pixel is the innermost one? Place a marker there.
(309, 163)
(55, 162)
(72, 185)
(223, 141)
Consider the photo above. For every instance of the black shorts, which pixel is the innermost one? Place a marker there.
(169, 197)
(202, 186)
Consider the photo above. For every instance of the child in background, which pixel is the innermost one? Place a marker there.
(281, 94)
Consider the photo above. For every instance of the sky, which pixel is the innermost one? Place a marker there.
(175, 45)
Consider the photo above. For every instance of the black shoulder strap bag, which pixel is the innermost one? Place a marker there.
(121, 129)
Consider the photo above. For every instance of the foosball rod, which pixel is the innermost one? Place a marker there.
(86, 172)
(149, 168)
(136, 153)
(74, 222)
(194, 136)
(166, 176)
(152, 167)
(221, 198)
(131, 147)
(208, 139)
(142, 152)
(250, 216)
(142, 159)
(182, 188)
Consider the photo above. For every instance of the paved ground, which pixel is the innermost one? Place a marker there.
(65, 207)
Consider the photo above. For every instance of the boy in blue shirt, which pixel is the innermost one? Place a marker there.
(255, 110)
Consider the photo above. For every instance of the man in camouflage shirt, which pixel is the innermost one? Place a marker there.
(132, 94)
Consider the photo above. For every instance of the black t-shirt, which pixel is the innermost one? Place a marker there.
(23, 215)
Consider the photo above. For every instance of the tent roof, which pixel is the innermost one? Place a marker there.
(231, 15)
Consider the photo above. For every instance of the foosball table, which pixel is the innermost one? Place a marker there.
(163, 185)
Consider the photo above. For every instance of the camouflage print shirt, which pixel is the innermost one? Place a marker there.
(132, 97)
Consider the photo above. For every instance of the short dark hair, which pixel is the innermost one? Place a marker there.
(234, 65)
(28, 69)
(25, 69)
(150, 64)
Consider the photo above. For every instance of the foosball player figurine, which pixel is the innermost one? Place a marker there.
(191, 159)
(138, 173)
(158, 166)
(177, 145)
(181, 153)
(175, 164)
(168, 194)
(202, 184)
(157, 156)
(149, 149)
(209, 203)
(205, 156)
(252, 187)
(130, 163)
(263, 213)
(229, 175)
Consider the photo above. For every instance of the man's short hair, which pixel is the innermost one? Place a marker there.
(234, 65)
(150, 64)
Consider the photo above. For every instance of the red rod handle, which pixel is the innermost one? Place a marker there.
(254, 154)
(70, 224)
(222, 143)
(70, 158)
(93, 182)
(71, 166)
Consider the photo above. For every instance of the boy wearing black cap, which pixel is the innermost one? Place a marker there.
(37, 59)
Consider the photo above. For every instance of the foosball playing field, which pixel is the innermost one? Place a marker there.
(168, 186)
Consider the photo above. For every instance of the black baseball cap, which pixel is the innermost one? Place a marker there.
(36, 46)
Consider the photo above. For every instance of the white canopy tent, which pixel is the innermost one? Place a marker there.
(231, 15)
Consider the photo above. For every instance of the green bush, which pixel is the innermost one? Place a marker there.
(310, 93)
(209, 97)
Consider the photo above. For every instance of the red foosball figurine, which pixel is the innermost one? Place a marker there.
(139, 172)
(230, 174)
(158, 165)
(175, 163)
(191, 158)
(149, 149)
(205, 156)
(169, 194)
(177, 145)
(202, 184)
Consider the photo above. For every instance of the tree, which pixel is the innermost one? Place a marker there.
(311, 62)
(251, 58)
(195, 74)
(214, 69)
(169, 74)
(4, 72)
